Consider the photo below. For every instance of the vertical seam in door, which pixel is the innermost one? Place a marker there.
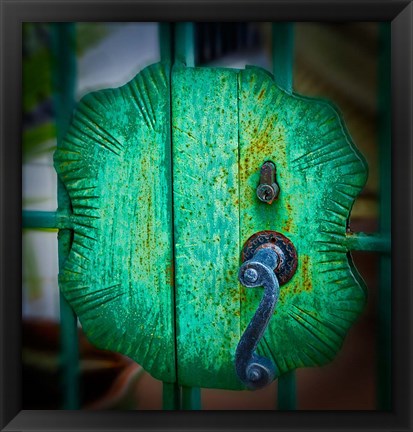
(239, 193)
(173, 223)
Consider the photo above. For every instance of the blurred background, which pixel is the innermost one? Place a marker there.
(334, 61)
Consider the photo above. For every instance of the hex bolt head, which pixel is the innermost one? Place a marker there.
(250, 275)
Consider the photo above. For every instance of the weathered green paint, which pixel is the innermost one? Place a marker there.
(319, 173)
(206, 214)
(115, 163)
(185, 53)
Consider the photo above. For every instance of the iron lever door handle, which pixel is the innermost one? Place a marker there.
(253, 370)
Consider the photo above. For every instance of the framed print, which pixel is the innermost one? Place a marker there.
(215, 208)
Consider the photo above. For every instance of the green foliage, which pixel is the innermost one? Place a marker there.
(34, 140)
(88, 35)
(36, 78)
(31, 275)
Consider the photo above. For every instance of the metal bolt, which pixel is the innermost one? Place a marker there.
(250, 275)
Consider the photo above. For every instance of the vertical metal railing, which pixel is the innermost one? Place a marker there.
(63, 43)
(384, 297)
(64, 86)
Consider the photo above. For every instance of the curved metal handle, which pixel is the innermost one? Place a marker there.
(253, 370)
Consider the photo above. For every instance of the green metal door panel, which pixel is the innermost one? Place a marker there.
(206, 215)
(115, 164)
(320, 173)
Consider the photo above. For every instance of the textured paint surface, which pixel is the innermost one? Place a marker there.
(115, 164)
(206, 214)
(320, 173)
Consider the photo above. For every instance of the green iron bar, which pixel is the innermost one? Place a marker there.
(60, 220)
(185, 43)
(287, 392)
(64, 83)
(283, 54)
(39, 219)
(368, 242)
(170, 396)
(384, 305)
(45, 219)
(282, 68)
(191, 398)
(184, 398)
(165, 41)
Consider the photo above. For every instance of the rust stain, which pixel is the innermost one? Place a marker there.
(306, 279)
(262, 142)
(283, 293)
(288, 223)
(169, 273)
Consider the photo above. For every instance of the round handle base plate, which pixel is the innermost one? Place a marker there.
(287, 263)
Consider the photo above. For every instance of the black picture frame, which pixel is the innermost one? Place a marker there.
(13, 13)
